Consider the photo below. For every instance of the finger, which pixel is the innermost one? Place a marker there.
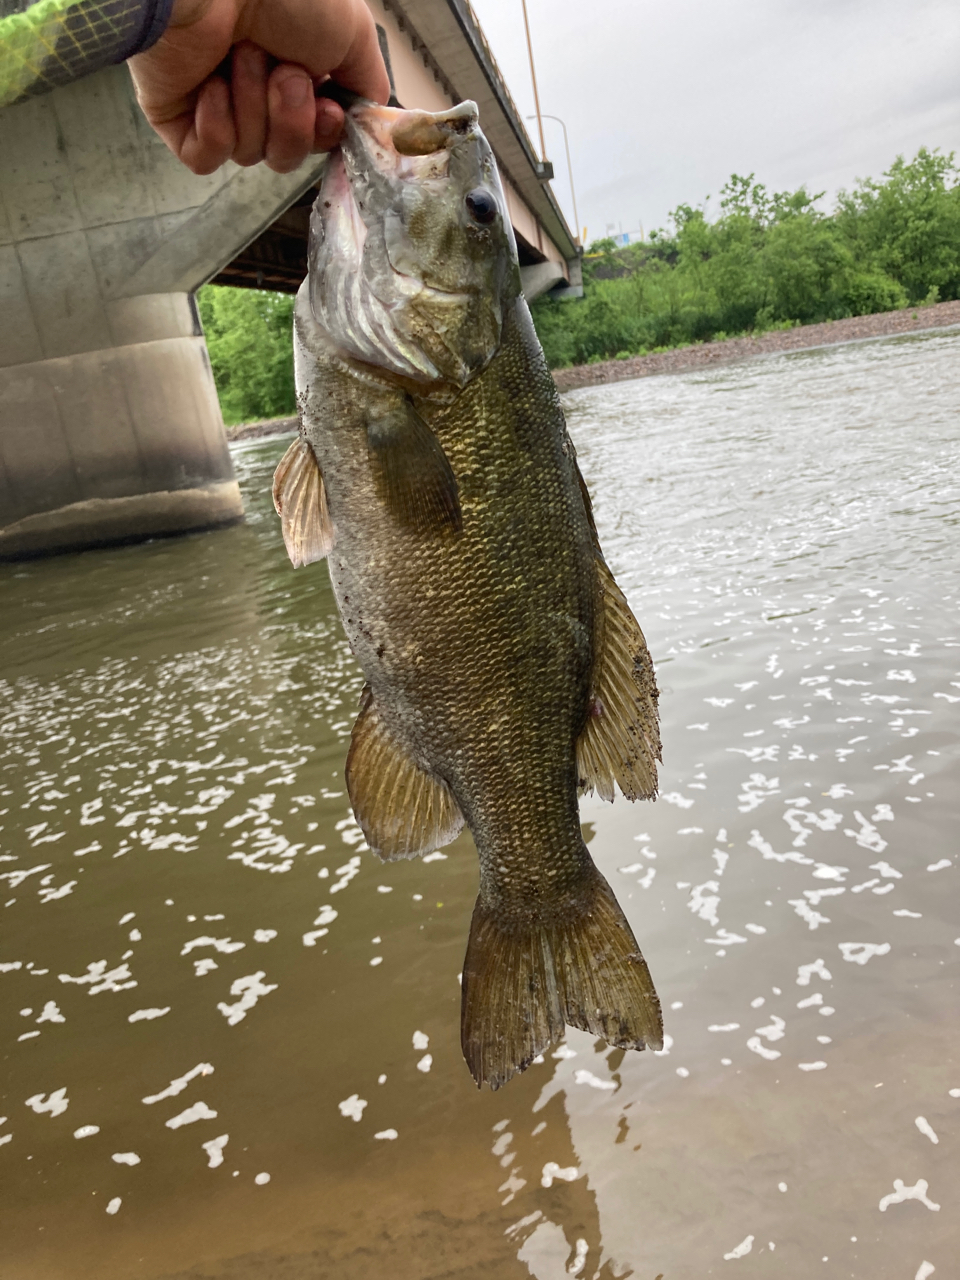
(292, 113)
(329, 125)
(337, 38)
(362, 68)
(211, 139)
(249, 93)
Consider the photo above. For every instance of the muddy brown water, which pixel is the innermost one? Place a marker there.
(230, 1036)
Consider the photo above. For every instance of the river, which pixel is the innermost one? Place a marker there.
(231, 1036)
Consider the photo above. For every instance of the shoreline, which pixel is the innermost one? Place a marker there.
(703, 355)
(805, 337)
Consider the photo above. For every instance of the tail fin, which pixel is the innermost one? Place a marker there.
(523, 980)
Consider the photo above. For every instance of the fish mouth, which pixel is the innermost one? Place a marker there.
(411, 145)
(400, 146)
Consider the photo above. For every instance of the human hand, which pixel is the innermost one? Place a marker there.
(263, 107)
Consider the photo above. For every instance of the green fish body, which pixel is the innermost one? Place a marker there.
(505, 673)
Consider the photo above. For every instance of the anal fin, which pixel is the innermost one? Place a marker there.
(301, 503)
(414, 474)
(620, 743)
(402, 810)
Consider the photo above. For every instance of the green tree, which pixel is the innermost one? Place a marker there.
(908, 227)
(249, 336)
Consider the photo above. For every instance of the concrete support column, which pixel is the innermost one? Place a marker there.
(110, 428)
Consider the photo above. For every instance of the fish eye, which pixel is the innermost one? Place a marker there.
(481, 206)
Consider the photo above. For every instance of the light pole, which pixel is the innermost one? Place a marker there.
(566, 146)
(533, 77)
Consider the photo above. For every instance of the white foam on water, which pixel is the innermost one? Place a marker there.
(225, 945)
(806, 971)
(436, 856)
(726, 1026)
(125, 1157)
(86, 1131)
(523, 1222)
(55, 1104)
(926, 1128)
(199, 1111)
(214, 1149)
(579, 1258)
(352, 1108)
(941, 865)
(147, 1015)
(756, 1045)
(741, 1251)
(262, 1179)
(901, 1193)
(420, 1040)
(704, 900)
(387, 1135)
(181, 1082)
(250, 989)
(775, 1031)
(885, 869)
(812, 1066)
(587, 1077)
(425, 1063)
(924, 1270)
(102, 979)
(114, 1204)
(861, 952)
(804, 910)
(553, 1172)
(264, 935)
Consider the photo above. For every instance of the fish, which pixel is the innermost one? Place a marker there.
(505, 674)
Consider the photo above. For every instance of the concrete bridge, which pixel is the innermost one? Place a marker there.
(110, 429)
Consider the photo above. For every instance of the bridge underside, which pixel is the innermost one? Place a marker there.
(110, 428)
(277, 258)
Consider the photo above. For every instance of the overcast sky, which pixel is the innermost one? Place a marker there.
(663, 101)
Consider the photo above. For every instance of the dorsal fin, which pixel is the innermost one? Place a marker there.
(402, 810)
(620, 743)
(301, 503)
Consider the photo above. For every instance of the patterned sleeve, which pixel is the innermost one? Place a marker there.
(46, 43)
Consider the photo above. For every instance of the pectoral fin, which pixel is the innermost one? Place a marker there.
(620, 743)
(416, 480)
(402, 810)
(301, 503)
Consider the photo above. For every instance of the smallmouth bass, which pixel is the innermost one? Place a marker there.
(505, 672)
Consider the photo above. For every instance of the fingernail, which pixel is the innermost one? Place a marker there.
(294, 91)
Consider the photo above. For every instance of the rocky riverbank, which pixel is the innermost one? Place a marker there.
(266, 427)
(704, 354)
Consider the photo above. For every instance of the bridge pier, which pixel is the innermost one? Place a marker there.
(110, 428)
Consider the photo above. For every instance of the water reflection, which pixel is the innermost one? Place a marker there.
(231, 1042)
